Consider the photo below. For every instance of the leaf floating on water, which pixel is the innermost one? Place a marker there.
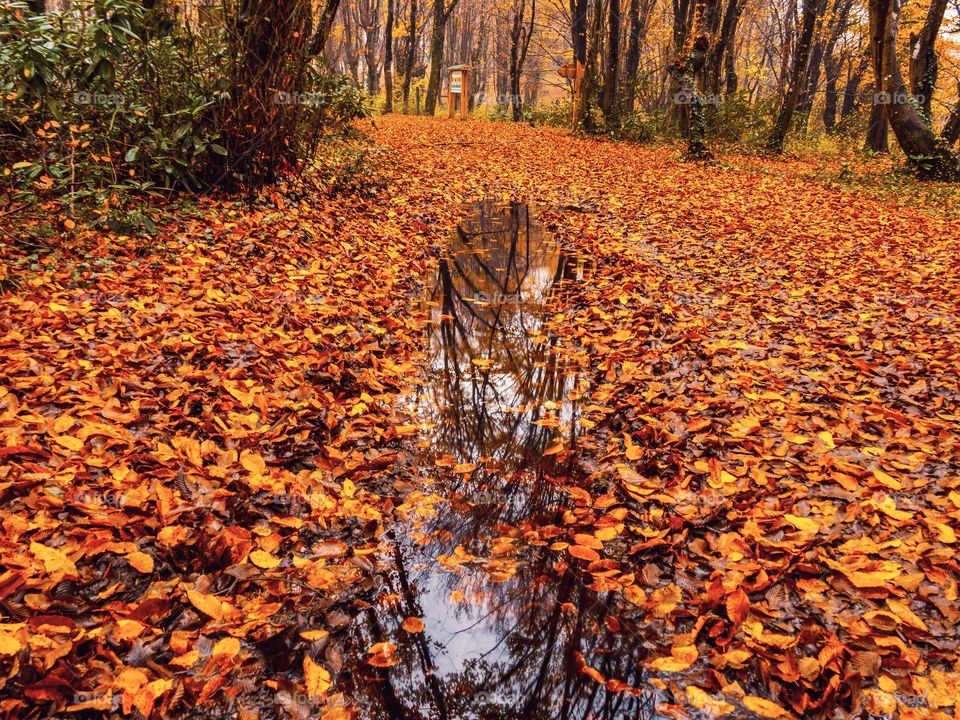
(383, 655)
(764, 708)
(413, 625)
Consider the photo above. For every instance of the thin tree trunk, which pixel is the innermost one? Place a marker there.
(923, 57)
(800, 58)
(728, 30)
(633, 56)
(411, 53)
(324, 24)
(388, 59)
(610, 91)
(441, 13)
(878, 130)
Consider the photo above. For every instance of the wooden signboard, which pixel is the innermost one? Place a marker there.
(458, 88)
(575, 72)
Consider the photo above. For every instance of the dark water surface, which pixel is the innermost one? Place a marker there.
(507, 631)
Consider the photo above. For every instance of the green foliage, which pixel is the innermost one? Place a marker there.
(737, 119)
(111, 99)
(349, 165)
(645, 127)
(553, 114)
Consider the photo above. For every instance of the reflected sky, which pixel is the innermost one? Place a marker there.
(508, 632)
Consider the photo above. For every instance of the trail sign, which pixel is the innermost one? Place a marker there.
(458, 88)
(573, 71)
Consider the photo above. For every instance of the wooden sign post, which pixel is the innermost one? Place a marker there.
(574, 71)
(458, 84)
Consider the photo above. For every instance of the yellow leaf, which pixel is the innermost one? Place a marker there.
(907, 615)
(69, 442)
(764, 708)
(227, 646)
(887, 480)
(606, 533)
(681, 658)
(887, 683)
(316, 678)
(211, 605)
(584, 553)
(141, 562)
(669, 664)
(238, 391)
(263, 559)
(187, 660)
(701, 700)
(801, 523)
(54, 561)
(253, 462)
(9, 644)
(130, 680)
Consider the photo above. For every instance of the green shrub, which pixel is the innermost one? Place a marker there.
(110, 98)
(553, 114)
(645, 127)
(738, 120)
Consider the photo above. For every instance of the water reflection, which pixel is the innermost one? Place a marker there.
(508, 632)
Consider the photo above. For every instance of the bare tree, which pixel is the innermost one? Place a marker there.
(441, 14)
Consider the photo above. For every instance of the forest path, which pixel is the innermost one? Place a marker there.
(755, 435)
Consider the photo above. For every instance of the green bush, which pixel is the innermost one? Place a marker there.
(110, 98)
(738, 120)
(645, 127)
(553, 114)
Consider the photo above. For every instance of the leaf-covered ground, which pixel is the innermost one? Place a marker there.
(201, 448)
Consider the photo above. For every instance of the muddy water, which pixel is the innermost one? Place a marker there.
(507, 630)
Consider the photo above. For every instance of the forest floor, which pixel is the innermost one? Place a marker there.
(210, 445)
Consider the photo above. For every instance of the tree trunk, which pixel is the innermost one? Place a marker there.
(411, 53)
(951, 131)
(878, 130)
(779, 133)
(578, 30)
(639, 18)
(388, 59)
(923, 57)
(930, 156)
(610, 90)
(589, 86)
(519, 44)
(830, 96)
(441, 14)
(324, 24)
(718, 52)
(852, 89)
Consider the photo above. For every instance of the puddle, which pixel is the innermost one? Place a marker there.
(507, 631)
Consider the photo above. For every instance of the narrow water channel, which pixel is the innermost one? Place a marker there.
(508, 631)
